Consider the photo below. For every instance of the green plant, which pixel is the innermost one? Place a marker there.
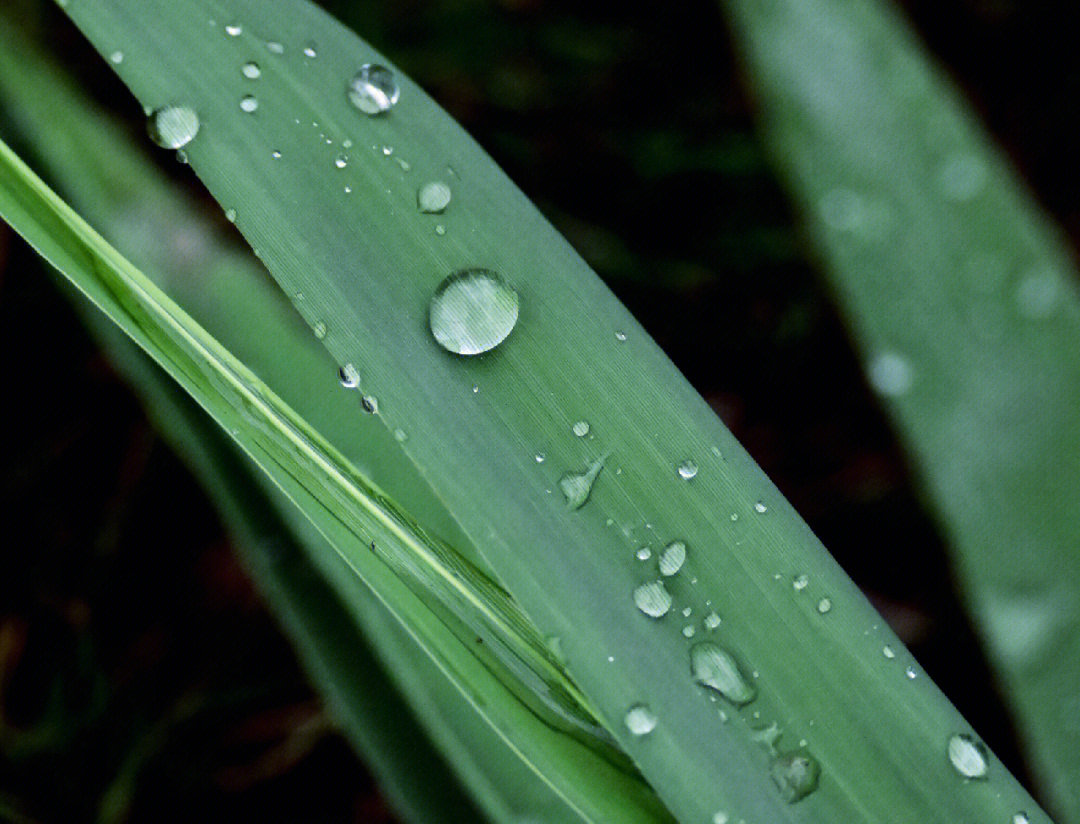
(489, 476)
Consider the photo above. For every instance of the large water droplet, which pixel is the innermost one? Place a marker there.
(672, 558)
(433, 198)
(173, 126)
(687, 470)
(795, 774)
(717, 669)
(968, 756)
(576, 486)
(251, 70)
(373, 90)
(640, 720)
(349, 376)
(473, 311)
(653, 599)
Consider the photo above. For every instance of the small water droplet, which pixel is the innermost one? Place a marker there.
(181, 157)
(432, 198)
(717, 669)
(576, 486)
(251, 70)
(720, 817)
(760, 508)
(116, 58)
(373, 89)
(968, 756)
(672, 558)
(795, 775)
(712, 620)
(346, 143)
(640, 720)
(961, 177)
(400, 436)
(248, 103)
(911, 674)
(800, 582)
(581, 428)
(309, 50)
(173, 126)
(890, 374)
(348, 190)
(687, 470)
(689, 630)
(653, 599)
(540, 457)
(644, 553)
(230, 215)
(341, 161)
(276, 154)
(824, 605)
(274, 47)
(370, 404)
(1021, 818)
(349, 376)
(473, 311)
(887, 651)
(319, 329)
(440, 229)
(234, 30)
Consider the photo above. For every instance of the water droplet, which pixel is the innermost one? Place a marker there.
(687, 470)
(581, 428)
(887, 651)
(116, 58)
(370, 404)
(1021, 818)
(712, 620)
(760, 508)
(432, 198)
(540, 457)
(716, 668)
(349, 376)
(890, 374)
(348, 190)
(653, 599)
(640, 720)
(800, 582)
(911, 674)
(620, 336)
(276, 154)
(251, 70)
(968, 756)
(319, 329)
(672, 558)
(275, 47)
(644, 553)
(689, 630)
(687, 612)
(720, 817)
(961, 177)
(440, 229)
(400, 436)
(473, 311)
(373, 89)
(173, 126)
(234, 30)
(248, 103)
(230, 215)
(576, 486)
(795, 775)
(309, 50)
(824, 605)
(341, 161)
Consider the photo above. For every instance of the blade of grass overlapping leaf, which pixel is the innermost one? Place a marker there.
(327, 196)
(963, 298)
(443, 601)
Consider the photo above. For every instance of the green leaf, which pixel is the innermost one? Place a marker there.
(963, 298)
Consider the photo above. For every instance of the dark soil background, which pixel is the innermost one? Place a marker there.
(140, 673)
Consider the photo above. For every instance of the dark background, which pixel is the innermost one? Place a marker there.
(137, 663)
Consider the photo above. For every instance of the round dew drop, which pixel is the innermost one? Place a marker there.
(309, 50)
(1020, 818)
(640, 720)
(653, 599)
(643, 554)
(248, 103)
(712, 620)
(373, 89)
(795, 775)
(251, 70)
(472, 312)
(172, 127)
(433, 198)
(581, 428)
(687, 470)
(824, 605)
(672, 558)
(968, 756)
(717, 669)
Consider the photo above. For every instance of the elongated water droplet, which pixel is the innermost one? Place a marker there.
(230, 215)
(687, 470)
(370, 404)
(248, 103)
(824, 605)
(887, 651)
(795, 774)
(400, 436)
(473, 311)
(309, 50)
(968, 756)
(373, 89)
(349, 376)
(275, 47)
(640, 720)
(251, 70)
(576, 486)
(653, 599)
(620, 336)
(911, 673)
(319, 329)
(672, 558)
(717, 669)
(234, 30)
(173, 126)
(433, 198)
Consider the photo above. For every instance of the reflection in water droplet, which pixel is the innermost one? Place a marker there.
(824, 605)
(717, 669)
(540, 457)
(968, 756)
(653, 599)
(644, 553)
(795, 775)
(911, 674)
(640, 720)
(576, 486)
(173, 126)
(349, 376)
(248, 103)
(432, 198)
(234, 30)
(890, 374)
(341, 161)
(309, 50)
(276, 154)
(687, 470)
(116, 58)
(373, 89)
(672, 558)
(251, 70)
(370, 404)
(887, 651)
(473, 311)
